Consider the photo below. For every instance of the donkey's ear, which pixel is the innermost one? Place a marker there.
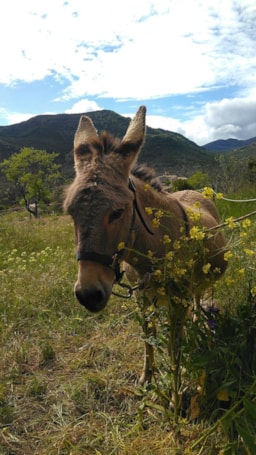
(134, 138)
(85, 135)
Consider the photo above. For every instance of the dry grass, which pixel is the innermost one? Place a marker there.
(68, 378)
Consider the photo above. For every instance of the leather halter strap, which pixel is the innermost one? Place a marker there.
(96, 257)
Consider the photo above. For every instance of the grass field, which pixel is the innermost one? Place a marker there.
(68, 378)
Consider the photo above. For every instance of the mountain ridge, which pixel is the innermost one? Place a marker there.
(164, 150)
(224, 145)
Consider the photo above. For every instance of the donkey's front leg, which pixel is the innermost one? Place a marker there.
(149, 329)
(149, 364)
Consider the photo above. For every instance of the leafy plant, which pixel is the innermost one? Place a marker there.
(34, 174)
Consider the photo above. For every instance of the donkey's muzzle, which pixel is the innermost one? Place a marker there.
(94, 285)
(93, 299)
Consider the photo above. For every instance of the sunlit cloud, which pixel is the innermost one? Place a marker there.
(132, 52)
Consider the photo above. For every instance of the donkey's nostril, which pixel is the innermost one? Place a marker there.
(93, 300)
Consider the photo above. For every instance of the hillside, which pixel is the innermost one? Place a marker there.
(248, 151)
(164, 150)
(224, 145)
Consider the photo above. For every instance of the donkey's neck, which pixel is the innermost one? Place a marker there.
(171, 223)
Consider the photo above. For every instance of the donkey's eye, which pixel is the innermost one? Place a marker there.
(115, 215)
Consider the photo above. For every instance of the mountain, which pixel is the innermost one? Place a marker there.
(164, 150)
(243, 153)
(223, 145)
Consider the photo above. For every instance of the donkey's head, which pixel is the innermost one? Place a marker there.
(101, 203)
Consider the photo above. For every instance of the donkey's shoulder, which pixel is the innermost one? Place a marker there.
(195, 200)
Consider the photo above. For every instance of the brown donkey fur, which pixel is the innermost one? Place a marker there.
(107, 201)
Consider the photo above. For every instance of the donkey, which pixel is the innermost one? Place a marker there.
(107, 202)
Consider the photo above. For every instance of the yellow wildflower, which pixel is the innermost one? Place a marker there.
(246, 223)
(249, 252)
(194, 216)
(190, 263)
(197, 205)
(179, 272)
(147, 186)
(159, 214)
(120, 246)
(156, 222)
(208, 192)
(169, 255)
(228, 255)
(196, 233)
(176, 245)
(253, 291)
(161, 291)
(206, 268)
(241, 271)
(151, 309)
(150, 254)
(158, 274)
(219, 195)
(148, 210)
(166, 239)
(229, 281)
(230, 222)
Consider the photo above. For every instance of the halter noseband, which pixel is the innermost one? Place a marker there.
(114, 261)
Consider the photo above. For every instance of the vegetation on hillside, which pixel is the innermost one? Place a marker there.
(54, 133)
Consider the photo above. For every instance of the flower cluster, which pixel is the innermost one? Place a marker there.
(209, 193)
(16, 263)
(173, 271)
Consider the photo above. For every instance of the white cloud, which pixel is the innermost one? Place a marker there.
(138, 50)
(83, 106)
(14, 117)
(228, 118)
(158, 47)
(232, 118)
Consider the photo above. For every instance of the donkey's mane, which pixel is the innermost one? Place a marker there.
(147, 174)
(109, 143)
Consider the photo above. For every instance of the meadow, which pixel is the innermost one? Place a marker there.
(68, 379)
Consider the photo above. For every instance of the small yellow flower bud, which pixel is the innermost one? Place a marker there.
(120, 246)
(148, 210)
(230, 222)
(249, 252)
(166, 239)
(206, 268)
(246, 223)
(228, 255)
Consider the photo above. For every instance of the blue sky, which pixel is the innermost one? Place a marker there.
(191, 62)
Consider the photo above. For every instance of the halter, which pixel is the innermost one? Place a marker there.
(113, 262)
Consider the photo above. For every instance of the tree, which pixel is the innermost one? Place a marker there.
(34, 174)
(198, 180)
